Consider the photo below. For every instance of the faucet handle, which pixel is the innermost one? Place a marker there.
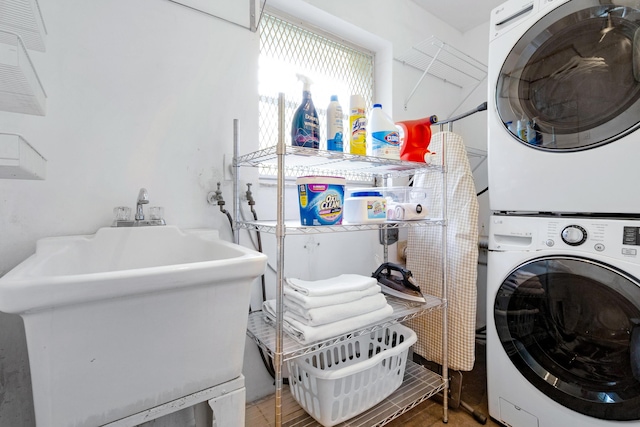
(156, 213)
(143, 196)
(121, 213)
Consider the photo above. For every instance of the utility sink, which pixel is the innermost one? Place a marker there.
(128, 319)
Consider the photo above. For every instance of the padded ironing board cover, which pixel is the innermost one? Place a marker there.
(424, 257)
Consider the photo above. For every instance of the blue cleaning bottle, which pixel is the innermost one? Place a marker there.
(305, 126)
(335, 125)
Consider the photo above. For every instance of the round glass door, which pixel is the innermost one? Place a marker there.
(572, 82)
(571, 327)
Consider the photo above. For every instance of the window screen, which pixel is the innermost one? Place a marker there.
(336, 68)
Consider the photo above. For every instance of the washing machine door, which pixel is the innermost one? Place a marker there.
(572, 81)
(570, 326)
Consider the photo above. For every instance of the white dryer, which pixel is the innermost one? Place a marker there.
(563, 316)
(564, 106)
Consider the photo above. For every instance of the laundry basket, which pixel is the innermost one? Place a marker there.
(339, 382)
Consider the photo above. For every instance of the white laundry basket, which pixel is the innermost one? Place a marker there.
(339, 382)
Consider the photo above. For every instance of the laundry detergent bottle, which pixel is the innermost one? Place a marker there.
(305, 128)
(335, 125)
(385, 139)
(415, 137)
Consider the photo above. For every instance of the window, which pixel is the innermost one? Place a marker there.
(336, 68)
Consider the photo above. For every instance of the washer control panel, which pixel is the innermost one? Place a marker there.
(617, 238)
(574, 235)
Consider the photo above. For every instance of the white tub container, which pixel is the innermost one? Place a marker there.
(321, 199)
(365, 207)
(128, 319)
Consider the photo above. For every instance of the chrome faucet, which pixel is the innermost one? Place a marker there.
(139, 220)
(143, 199)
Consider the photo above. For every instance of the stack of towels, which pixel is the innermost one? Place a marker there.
(321, 309)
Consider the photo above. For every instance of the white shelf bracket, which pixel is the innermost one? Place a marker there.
(442, 61)
(426, 71)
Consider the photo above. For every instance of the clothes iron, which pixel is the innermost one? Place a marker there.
(399, 285)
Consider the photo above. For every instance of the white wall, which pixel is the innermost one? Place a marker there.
(143, 94)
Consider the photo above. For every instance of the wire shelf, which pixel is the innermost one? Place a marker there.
(444, 62)
(436, 58)
(418, 385)
(303, 161)
(19, 160)
(267, 333)
(293, 227)
(24, 18)
(20, 87)
(264, 333)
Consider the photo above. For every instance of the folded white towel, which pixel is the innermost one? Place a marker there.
(307, 302)
(333, 285)
(333, 313)
(309, 334)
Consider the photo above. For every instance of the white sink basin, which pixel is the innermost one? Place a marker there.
(130, 318)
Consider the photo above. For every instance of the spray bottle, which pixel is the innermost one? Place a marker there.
(335, 126)
(358, 126)
(305, 129)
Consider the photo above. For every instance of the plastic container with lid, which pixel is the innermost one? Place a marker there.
(364, 207)
(321, 199)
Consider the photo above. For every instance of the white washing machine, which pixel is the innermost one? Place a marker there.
(563, 309)
(564, 106)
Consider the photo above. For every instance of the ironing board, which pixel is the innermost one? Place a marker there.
(424, 257)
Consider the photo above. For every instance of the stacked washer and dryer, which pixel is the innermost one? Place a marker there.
(563, 284)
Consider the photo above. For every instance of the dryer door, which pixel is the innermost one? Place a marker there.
(570, 326)
(572, 81)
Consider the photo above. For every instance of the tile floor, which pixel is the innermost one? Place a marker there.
(427, 414)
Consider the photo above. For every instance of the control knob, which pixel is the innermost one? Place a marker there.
(574, 235)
